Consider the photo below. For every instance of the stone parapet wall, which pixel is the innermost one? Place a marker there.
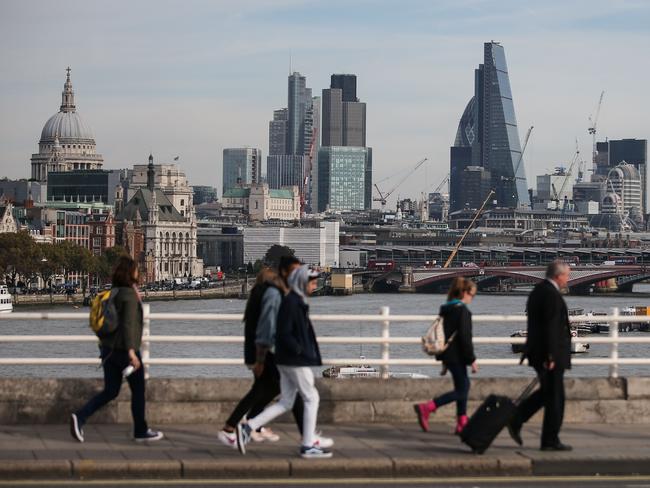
(31, 400)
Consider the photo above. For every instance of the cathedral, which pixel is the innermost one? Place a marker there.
(66, 143)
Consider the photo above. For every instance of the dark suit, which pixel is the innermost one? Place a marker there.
(549, 339)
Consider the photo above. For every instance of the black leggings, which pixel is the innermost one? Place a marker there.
(114, 362)
(460, 392)
(264, 390)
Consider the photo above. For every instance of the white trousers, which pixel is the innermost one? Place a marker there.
(294, 380)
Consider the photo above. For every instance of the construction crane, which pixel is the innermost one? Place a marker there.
(469, 228)
(383, 197)
(567, 177)
(521, 158)
(593, 125)
(561, 235)
(442, 183)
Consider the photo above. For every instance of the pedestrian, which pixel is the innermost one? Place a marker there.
(260, 319)
(296, 352)
(118, 351)
(457, 324)
(548, 349)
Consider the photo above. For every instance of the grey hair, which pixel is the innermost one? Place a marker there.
(556, 268)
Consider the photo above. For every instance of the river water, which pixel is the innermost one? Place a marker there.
(357, 304)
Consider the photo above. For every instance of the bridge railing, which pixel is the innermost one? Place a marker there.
(384, 339)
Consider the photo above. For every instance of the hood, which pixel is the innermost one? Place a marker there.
(299, 278)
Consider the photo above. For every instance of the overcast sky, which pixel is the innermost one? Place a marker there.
(189, 78)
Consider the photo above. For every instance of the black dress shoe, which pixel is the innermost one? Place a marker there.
(557, 447)
(515, 432)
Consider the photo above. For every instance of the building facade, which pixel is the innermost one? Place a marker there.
(84, 185)
(157, 233)
(489, 127)
(7, 220)
(261, 203)
(317, 246)
(241, 166)
(66, 142)
(343, 178)
(203, 194)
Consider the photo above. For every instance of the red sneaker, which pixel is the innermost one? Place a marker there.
(423, 410)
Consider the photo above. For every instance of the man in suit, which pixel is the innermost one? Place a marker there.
(548, 348)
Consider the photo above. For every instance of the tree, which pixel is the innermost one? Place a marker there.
(275, 253)
(18, 256)
(50, 262)
(107, 261)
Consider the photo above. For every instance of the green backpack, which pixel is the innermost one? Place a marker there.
(103, 314)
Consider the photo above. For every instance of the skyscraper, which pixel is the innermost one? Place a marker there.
(344, 117)
(278, 132)
(489, 127)
(346, 83)
(241, 165)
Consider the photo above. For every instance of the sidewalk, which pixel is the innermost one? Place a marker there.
(372, 450)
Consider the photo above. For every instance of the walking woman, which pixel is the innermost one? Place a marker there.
(457, 323)
(118, 351)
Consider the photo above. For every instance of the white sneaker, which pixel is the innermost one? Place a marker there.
(149, 436)
(323, 442)
(228, 438)
(265, 435)
(314, 452)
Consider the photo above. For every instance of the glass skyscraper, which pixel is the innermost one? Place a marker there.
(342, 177)
(489, 127)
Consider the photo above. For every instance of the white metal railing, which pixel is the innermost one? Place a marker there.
(384, 340)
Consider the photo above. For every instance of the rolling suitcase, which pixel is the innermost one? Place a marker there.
(490, 419)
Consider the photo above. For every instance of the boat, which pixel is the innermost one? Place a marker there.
(6, 300)
(577, 347)
(364, 371)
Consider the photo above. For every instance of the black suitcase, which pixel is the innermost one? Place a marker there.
(490, 419)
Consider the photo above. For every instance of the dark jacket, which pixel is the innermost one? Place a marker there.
(457, 318)
(295, 342)
(549, 335)
(129, 312)
(252, 316)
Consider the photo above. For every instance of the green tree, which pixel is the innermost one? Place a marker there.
(50, 262)
(275, 253)
(18, 256)
(107, 261)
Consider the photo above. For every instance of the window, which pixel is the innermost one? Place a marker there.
(97, 241)
(98, 230)
(182, 202)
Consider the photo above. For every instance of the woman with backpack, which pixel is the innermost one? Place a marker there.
(457, 324)
(120, 354)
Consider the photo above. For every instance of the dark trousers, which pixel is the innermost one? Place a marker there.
(264, 390)
(114, 363)
(549, 395)
(460, 392)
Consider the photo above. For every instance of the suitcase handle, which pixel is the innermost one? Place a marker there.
(527, 391)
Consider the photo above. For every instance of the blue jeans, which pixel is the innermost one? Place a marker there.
(114, 361)
(460, 392)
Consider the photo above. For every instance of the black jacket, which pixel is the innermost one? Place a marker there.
(295, 342)
(549, 335)
(457, 318)
(129, 313)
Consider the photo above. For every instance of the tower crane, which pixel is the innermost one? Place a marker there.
(384, 196)
(567, 177)
(593, 125)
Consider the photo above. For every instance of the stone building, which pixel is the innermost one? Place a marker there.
(158, 224)
(66, 143)
(260, 203)
(7, 221)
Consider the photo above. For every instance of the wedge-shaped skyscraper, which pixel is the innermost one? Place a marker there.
(489, 128)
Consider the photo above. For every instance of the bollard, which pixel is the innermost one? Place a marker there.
(385, 334)
(613, 355)
(146, 332)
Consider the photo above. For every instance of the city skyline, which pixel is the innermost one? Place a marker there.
(157, 81)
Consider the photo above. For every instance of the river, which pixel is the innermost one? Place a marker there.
(356, 304)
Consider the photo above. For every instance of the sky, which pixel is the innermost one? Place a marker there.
(189, 78)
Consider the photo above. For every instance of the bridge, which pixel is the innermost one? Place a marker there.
(582, 280)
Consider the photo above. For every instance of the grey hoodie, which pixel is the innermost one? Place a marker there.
(299, 279)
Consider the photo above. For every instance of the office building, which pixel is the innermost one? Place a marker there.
(241, 166)
(475, 183)
(204, 194)
(344, 117)
(347, 84)
(342, 178)
(260, 203)
(23, 192)
(278, 132)
(84, 185)
(489, 127)
(316, 246)
(634, 152)
(624, 180)
(461, 158)
(286, 170)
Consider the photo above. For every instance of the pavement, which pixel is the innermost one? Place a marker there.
(370, 451)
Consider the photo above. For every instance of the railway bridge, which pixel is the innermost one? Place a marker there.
(582, 281)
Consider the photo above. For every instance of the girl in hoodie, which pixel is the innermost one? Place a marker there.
(459, 354)
(296, 352)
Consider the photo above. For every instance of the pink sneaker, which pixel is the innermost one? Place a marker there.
(461, 423)
(423, 410)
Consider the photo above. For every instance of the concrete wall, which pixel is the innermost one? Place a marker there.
(30, 400)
